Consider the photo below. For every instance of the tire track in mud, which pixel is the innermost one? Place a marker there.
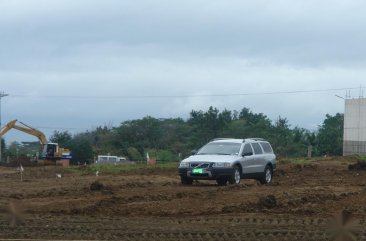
(148, 228)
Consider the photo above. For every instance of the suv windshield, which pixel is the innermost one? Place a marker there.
(220, 148)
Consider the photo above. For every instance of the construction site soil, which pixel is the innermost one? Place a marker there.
(319, 200)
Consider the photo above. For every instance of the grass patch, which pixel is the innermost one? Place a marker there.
(299, 161)
(363, 158)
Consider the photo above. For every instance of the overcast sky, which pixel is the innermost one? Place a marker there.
(60, 60)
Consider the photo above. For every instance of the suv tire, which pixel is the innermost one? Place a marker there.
(267, 175)
(235, 177)
(186, 180)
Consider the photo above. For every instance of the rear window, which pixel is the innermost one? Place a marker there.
(257, 148)
(266, 147)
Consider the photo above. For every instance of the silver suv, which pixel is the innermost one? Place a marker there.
(229, 160)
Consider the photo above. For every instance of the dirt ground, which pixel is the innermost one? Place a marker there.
(318, 201)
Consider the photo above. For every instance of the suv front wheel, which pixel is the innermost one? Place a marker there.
(235, 177)
(267, 175)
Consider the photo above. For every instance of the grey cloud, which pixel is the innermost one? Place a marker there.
(165, 47)
(284, 32)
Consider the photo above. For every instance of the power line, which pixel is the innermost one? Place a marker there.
(61, 128)
(179, 96)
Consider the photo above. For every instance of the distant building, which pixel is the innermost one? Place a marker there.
(354, 134)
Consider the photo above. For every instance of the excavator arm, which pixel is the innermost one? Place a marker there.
(25, 128)
(31, 131)
(7, 127)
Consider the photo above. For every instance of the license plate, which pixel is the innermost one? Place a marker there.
(197, 171)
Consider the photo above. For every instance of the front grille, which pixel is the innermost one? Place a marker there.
(200, 165)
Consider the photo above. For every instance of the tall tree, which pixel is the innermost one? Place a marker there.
(63, 138)
(81, 149)
(134, 154)
(256, 125)
(208, 125)
(281, 136)
(330, 136)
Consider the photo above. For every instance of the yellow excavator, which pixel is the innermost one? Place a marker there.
(50, 151)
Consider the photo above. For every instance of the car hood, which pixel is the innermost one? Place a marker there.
(211, 158)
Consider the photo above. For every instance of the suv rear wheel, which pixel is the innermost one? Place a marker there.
(235, 177)
(267, 175)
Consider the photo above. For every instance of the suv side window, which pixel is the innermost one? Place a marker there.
(266, 147)
(257, 148)
(247, 150)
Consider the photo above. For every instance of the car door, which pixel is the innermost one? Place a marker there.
(248, 159)
(259, 161)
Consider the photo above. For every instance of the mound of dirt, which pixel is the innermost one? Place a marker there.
(267, 202)
(359, 166)
(97, 186)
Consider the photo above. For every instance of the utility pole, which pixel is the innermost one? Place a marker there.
(2, 94)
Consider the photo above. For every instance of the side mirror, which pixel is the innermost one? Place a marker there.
(248, 153)
(193, 152)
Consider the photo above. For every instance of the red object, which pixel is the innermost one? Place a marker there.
(151, 162)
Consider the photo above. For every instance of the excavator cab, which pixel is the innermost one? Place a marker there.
(49, 150)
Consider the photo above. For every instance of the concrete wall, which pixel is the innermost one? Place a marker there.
(354, 138)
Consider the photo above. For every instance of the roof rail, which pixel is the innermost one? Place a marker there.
(257, 139)
(217, 139)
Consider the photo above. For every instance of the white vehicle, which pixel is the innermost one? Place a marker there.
(229, 160)
(107, 160)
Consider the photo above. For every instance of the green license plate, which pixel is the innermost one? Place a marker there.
(197, 171)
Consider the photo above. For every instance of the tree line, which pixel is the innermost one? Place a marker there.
(174, 138)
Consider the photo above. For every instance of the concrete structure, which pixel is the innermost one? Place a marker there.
(354, 135)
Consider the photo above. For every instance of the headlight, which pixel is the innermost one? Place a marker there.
(184, 164)
(221, 164)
